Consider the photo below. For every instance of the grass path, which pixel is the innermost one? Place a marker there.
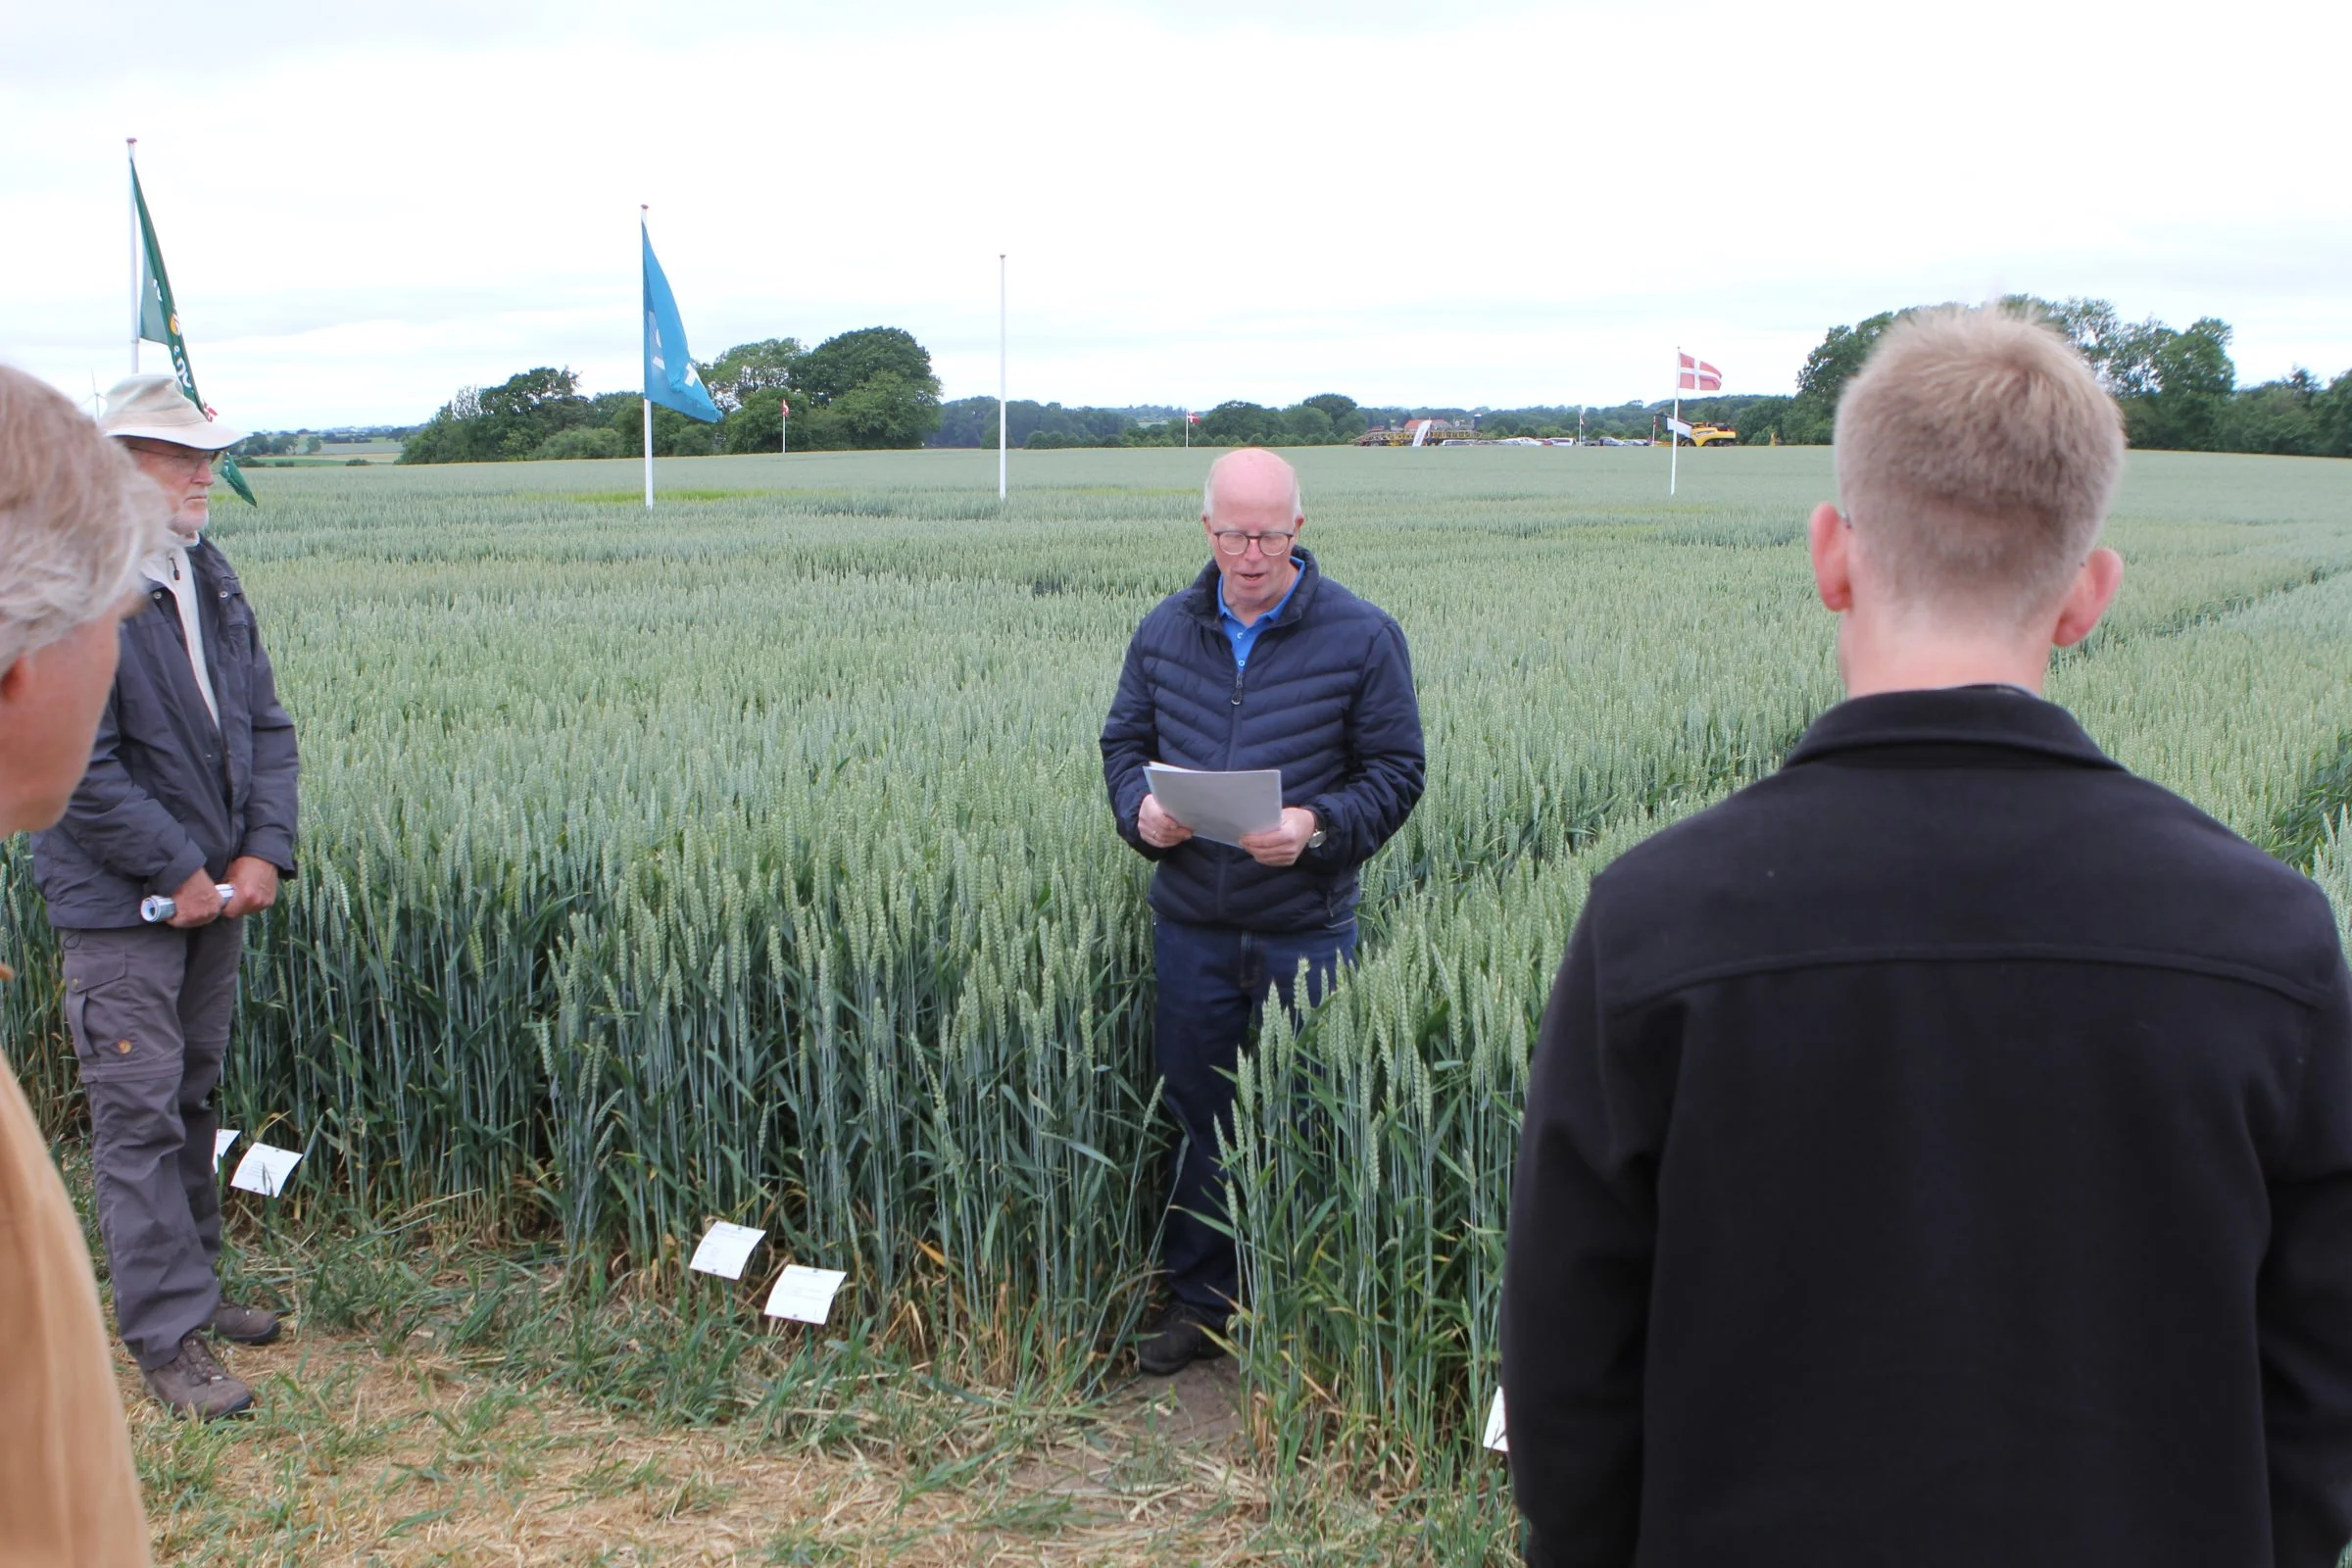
(355, 1457)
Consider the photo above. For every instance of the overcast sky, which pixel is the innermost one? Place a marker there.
(1408, 203)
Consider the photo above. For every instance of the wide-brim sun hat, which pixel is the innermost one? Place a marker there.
(155, 408)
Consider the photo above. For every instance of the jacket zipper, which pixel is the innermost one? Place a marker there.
(1232, 745)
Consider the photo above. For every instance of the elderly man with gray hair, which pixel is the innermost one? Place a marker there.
(189, 797)
(1263, 663)
(74, 518)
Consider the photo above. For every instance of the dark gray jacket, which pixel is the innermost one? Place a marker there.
(167, 790)
(1327, 698)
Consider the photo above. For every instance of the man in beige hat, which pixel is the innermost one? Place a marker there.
(191, 796)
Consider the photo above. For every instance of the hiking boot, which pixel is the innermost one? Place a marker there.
(1176, 1339)
(244, 1325)
(193, 1384)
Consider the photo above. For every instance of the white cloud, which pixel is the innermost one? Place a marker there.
(1404, 203)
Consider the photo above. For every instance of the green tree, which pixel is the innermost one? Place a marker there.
(2333, 412)
(747, 368)
(1305, 425)
(887, 410)
(1347, 420)
(2280, 417)
(1811, 417)
(849, 359)
(2174, 388)
(1759, 422)
(1237, 423)
(581, 441)
(757, 422)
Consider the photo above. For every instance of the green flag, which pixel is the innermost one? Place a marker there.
(158, 322)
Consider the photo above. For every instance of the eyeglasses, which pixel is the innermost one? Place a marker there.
(1234, 542)
(189, 458)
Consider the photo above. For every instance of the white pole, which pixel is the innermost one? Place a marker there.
(783, 428)
(137, 304)
(1005, 420)
(1674, 437)
(642, 209)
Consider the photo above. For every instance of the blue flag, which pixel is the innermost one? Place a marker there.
(670, 378)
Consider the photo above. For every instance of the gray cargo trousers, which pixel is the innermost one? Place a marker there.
(149, 1009)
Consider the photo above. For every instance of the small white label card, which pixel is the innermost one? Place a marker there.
(805, 1294)
(725, 1249)
(264, 1170)
(222, 1137)
(1495, 1438)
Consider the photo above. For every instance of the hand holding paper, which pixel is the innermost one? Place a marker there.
(1225, 808)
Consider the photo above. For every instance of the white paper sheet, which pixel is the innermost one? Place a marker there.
(222, 1137)
(805, 1294)
(264, 1170)
(725, 1249)
(1221, 807)
(1495, 1438)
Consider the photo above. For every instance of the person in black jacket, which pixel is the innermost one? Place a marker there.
(1940, 1153)
(190, 791)
(1263, 663)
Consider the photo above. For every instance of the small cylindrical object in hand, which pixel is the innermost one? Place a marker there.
(154, 908)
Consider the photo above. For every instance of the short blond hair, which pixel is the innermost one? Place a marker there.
(76, 517)
(1977, 455)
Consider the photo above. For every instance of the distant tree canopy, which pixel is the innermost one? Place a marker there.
(1324, 419)
(871, 388)
(2177, 388)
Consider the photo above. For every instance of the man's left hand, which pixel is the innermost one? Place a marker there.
(1285, 841)
(256, 882)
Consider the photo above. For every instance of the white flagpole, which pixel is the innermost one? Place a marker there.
(642, 209)
(1003, 408)
(137, 304)
(1674, 437)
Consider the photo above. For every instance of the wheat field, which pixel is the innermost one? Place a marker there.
(748, 861)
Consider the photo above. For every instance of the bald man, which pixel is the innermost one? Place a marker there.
(1263, 663)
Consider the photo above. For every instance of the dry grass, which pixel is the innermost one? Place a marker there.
(352, 1457)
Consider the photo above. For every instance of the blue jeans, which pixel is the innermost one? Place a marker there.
(1213, 984)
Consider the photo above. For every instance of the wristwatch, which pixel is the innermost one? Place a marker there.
(1314, 839)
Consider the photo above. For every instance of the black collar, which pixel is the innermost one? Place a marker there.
(1958, 716)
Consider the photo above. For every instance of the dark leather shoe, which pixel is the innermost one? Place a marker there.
(244, 1325)
(1176, 1339)
(193, 1384)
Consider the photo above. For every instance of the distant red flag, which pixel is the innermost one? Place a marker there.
(1192, 418)
(1697, 376)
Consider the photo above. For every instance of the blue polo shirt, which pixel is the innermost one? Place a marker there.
(1244, 638)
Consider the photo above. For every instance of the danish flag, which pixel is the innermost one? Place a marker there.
(1697, 376)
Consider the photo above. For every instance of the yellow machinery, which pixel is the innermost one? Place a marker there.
(1714, 435)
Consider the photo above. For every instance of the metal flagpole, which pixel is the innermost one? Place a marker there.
(137, 304)
(642, 209)
(1003, 408)
(1674, 437)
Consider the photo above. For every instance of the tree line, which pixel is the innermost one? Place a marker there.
(868, 389)
(2177, 388)
(874, 388)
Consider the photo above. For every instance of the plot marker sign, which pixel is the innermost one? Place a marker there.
(264, 1170)
(222, 1138)
(1496, 1438)
(805, 1295)
(725, 1249)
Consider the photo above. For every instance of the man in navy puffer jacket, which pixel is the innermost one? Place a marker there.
(1263, 663)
